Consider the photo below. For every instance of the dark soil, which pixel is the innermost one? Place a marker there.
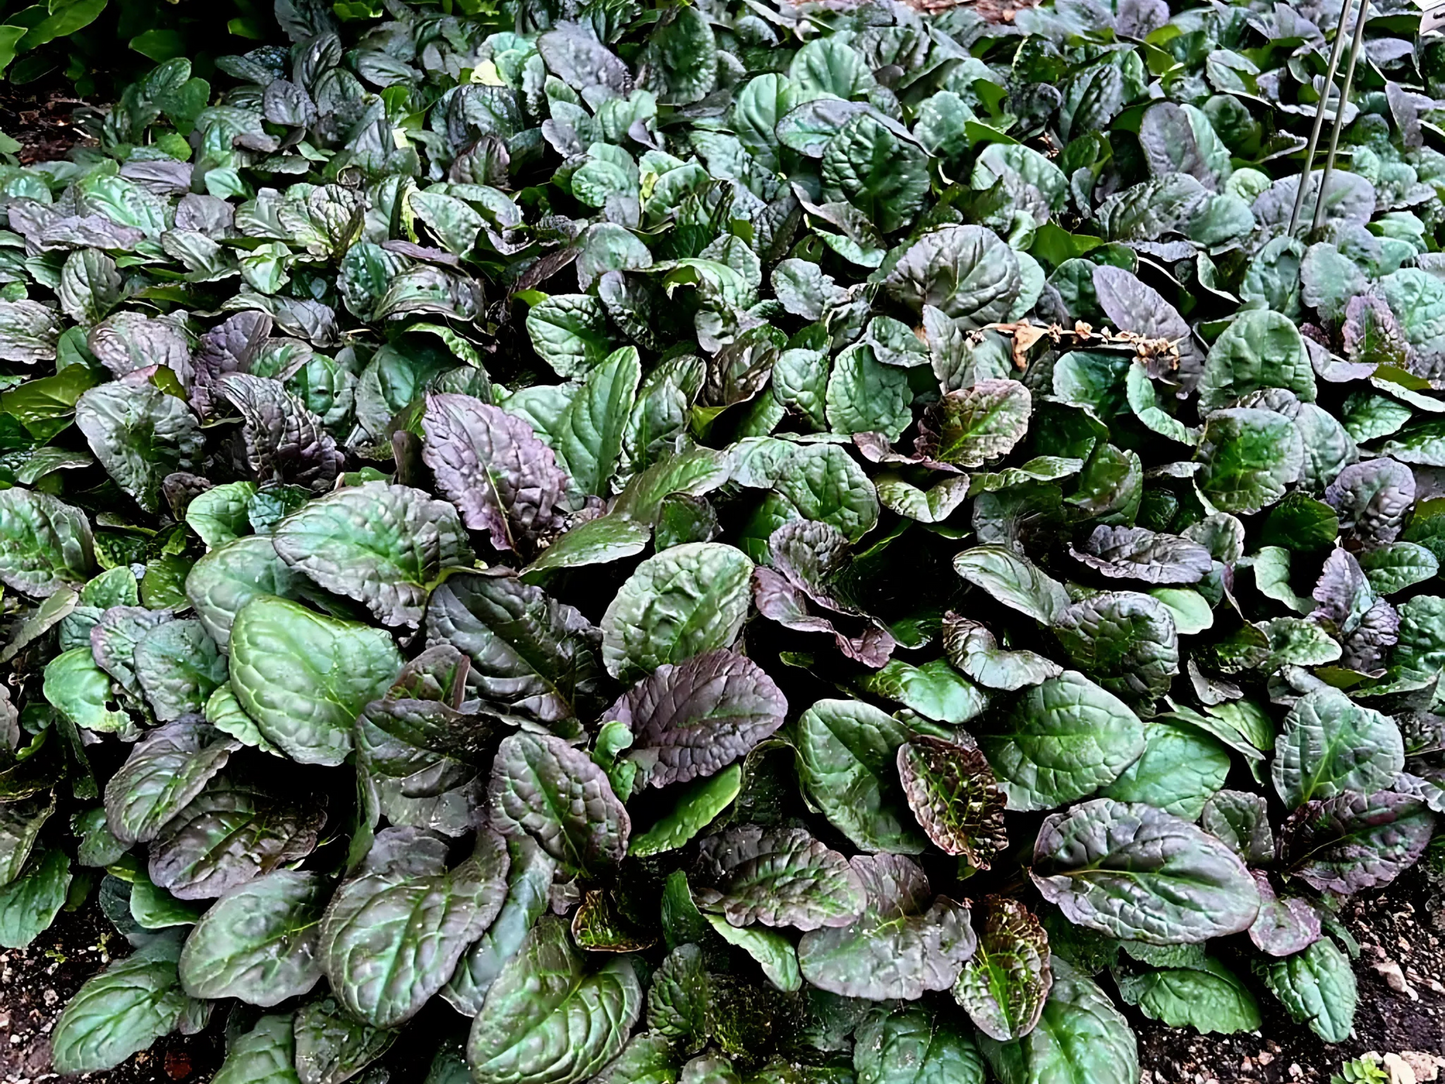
(39, 117)
(1403, 929)
(35, 984)
(1401, 970)
(1401, 976)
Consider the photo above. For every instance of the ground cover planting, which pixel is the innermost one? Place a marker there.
(725, 542)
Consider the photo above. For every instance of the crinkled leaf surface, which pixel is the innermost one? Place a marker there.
(258, 942)
(1130, 870)
(45, 543)
(161, 776)
(695, 717)
(1209, 998)
(530, 652)
(122, 1010)
(1063, 740)
(779, 877)
(1329, 744)
(847, 756)
(1318, 988)
(383, 545)
(1005, 984)
(912, 1046)
(551, 791)
(394, 931)
(952, 792)
(1080, 1036)
(900, 946)
(685, 601)
(547, 1019)
(304, 677)
(491, 465)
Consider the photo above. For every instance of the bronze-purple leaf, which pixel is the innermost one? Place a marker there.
(491, 465)
(1353, 841)
(1005, 984)
(1285, 925)
(696, 717)
(952, 791)
(967, 428)
(284, 441)
(776, 876)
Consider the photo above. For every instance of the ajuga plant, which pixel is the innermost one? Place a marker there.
(725, 542)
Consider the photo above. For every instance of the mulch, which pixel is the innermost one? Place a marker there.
(39, 117)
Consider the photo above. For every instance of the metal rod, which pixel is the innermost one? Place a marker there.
(1339, 125)
(1299, 196)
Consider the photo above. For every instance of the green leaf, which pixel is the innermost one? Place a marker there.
(973, 649)
(29, 903)
(162, 775)
(231, 575)
(699, 804)
(1317, 987)
(899, 947)
(1080, 1036)
(773, 952)
(935, 690)
(121, 1011)
(681, 58)
(570, 332)
(178, 667)
(684, 601)
(80, 691)
(590, 431)
(864, 396)
(1398, 565)
(1063, 740)
(912, 1046)
(219, 514)
(779, 877)
(964, 271)
(1179, 771)
(304, 678)
(20, 825)
(1133, 871)
(1249, 458)
(1125, 639)
(264, 1055)
(1260, 349)
(140, 435)
(153, 908)
(547, 1020)
(847, 753)
(1329, 744)
(45, 544)
(394, 931)
(1013, 580)
(258, 942)
(969, 427)
(1209, 999)
(331, 1046)
(529, 879)
(869, 165)
(384, 545)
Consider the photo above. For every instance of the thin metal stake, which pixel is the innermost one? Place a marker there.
(1299, 196)
(1355, 47)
